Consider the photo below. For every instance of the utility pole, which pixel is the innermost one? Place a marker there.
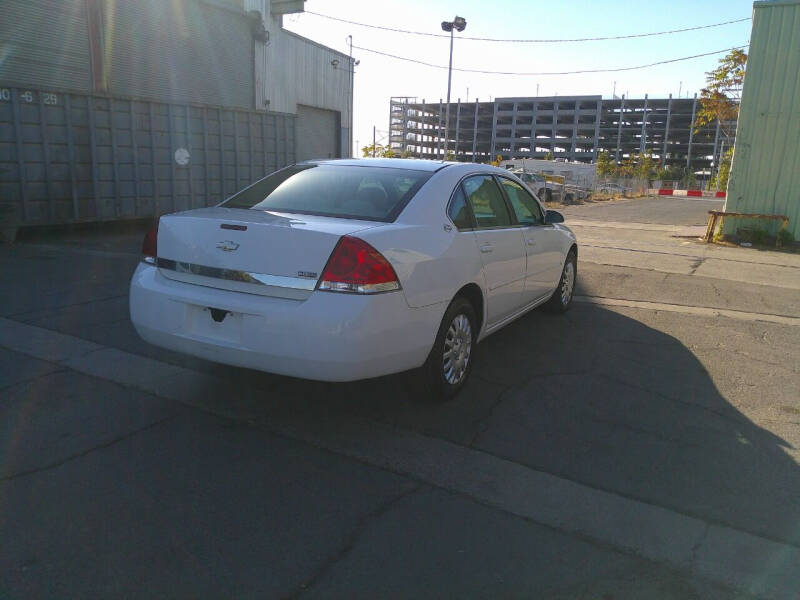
(614, 93)
(680, 87)
(350, 100)
(457, 24)
(373, 141)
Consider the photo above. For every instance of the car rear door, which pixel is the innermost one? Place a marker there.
(543, 244)
(500, 243)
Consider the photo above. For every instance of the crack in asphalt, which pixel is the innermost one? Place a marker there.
(479, 424)
(696, 265)
(351, 541)
(749, 357)
(641, 388)
(50, 311)
(698, 545)
(641, 431)
(60, 369)
(88, 451)
(719, 294)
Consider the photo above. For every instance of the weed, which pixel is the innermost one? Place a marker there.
(785, 237)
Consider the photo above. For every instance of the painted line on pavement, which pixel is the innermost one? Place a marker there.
(701, 311)
(719, 553)
(701, 254)
(629, 225)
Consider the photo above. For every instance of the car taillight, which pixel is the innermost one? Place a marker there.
(150, 245)
(356, 267)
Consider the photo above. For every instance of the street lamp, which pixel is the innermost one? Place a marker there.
(457, 24)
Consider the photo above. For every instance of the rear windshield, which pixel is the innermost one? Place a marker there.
(347, 191)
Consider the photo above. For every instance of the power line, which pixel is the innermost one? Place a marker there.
(528, 41)
(609, 70)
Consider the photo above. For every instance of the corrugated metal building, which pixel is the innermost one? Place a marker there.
(113, 109)
(765, 173)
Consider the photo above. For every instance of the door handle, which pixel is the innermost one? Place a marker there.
(531, 242)
(487, 247)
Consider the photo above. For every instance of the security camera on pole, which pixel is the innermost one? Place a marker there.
(457, 24)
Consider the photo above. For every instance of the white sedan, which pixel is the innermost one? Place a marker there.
(349, 269)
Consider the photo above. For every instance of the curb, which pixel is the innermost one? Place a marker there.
(725, 555)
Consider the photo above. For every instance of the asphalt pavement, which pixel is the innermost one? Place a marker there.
(644, 445)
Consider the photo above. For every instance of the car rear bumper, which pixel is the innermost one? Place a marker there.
(327, 337)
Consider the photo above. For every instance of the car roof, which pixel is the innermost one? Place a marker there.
(412, 164)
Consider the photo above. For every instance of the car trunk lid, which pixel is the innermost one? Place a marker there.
(253, 251)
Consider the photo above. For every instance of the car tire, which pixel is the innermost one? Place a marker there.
(458, 333)
(561, 299)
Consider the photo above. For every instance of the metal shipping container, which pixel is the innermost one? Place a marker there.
(765, 173)
(68, 157)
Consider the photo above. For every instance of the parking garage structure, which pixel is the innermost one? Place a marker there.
(573, 128)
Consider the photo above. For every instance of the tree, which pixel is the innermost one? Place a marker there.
(627, 167)
(671, 173)
(606, 166)
(381, 151)
(720, 179)
(641, 166)
(645, 166)
(376, 150)
(719, 101)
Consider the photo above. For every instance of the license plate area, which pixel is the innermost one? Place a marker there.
(214, 323)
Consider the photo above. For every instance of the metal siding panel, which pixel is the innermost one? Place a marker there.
(323, 84)
(49, 44)
(161, 50)
(765, 174)
(317, 133)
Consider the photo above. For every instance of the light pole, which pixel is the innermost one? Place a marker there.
(353, 64)
(457, 24)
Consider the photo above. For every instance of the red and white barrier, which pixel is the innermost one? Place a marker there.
(689, 193)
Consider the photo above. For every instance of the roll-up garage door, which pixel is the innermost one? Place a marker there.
(317, 133)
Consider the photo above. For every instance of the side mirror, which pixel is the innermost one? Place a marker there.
(553, 216)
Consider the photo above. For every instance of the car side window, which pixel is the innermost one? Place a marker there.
(459, 211)
(487, 202)
(525, 206)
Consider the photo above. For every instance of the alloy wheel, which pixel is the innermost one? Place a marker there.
(567, 283)
(457, 349)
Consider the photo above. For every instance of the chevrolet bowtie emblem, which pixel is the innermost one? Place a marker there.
(228, 246)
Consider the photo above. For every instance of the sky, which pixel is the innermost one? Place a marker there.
(377, 78)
